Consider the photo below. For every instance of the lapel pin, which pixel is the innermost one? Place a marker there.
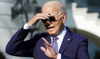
(68, 39)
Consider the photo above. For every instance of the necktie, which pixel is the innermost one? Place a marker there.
(54, 44)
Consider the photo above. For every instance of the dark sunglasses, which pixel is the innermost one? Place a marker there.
(51, 19)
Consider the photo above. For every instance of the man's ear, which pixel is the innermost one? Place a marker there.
(64, 17)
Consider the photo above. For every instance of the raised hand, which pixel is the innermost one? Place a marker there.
(38, 17)
(49, 50)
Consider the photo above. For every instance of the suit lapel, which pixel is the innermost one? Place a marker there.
(48, 38)
(66, 41)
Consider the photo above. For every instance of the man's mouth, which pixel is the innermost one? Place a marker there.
(49, 27)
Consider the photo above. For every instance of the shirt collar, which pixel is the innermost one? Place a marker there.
(62, 33)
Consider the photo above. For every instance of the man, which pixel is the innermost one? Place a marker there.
(58, 43)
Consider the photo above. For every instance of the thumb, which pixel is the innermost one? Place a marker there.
(43, 49)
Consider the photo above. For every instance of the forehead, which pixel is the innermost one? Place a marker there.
(52, 9)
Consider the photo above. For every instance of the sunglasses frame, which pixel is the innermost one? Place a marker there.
(53, 18)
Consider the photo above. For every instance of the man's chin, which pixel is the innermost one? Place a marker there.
(52, 34)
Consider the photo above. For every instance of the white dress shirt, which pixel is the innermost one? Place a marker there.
(60, 37)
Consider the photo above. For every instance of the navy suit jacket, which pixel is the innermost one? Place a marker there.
(74, 46)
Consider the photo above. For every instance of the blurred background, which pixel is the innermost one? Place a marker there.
(83, 17)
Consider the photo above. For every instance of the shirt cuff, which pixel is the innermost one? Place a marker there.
(26, 26)
(59, 56)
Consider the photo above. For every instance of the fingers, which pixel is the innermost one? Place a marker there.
(46, 42)
(43, 49)
(43, 16)
(38, 17)
(49, 50)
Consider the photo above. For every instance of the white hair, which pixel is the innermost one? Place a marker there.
(60, 5)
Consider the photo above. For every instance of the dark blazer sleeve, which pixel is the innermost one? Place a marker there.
(18, 47)
(83, 50)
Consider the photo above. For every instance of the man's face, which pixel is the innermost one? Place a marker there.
(55, 23)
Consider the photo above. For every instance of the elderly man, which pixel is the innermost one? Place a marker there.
(57, 43)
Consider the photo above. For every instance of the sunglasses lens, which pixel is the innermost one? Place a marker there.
(52, 18)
